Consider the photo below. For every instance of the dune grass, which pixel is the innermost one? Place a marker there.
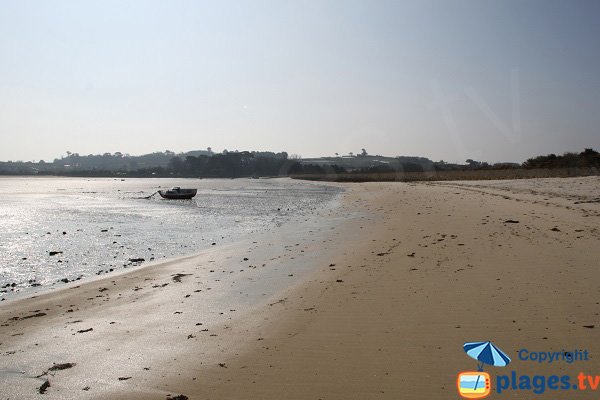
(492, 174)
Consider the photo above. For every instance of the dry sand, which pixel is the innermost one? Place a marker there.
(411, 273)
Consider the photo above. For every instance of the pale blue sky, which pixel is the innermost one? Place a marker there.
(490, 80)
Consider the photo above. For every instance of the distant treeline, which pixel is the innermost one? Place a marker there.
(568, 165)
(236, 164)
(200, 163)
(589, 158)
(231, 165)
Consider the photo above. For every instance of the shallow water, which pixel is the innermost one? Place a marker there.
(101, 224)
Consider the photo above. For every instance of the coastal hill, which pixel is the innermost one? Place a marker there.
(351, 167)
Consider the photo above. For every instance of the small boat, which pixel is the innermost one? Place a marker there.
(178, 193)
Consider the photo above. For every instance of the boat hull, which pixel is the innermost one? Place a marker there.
(181, 194)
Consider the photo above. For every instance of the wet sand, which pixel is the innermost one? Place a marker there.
(392, 286)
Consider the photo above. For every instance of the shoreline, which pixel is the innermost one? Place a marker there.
(213, 286)
(418, 269)
(68, 230)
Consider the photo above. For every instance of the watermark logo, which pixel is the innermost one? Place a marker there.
(477, 385)
(473, 385)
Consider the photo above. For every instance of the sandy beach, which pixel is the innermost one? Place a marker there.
(383, 293)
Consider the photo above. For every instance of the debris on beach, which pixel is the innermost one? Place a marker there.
(56, 367)
(177, 277)
(53, 253)
(39, 314)
(44, 387)
(511, 221)
(278, 302)
(60, 367)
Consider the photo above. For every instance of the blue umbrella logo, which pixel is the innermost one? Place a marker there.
(486, 353)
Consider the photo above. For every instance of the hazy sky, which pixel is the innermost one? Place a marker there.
(489, 80)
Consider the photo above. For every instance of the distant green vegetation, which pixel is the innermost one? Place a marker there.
(205, 164)
(231, 165)
(237, 164)
(589, 158)
(385, 170)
